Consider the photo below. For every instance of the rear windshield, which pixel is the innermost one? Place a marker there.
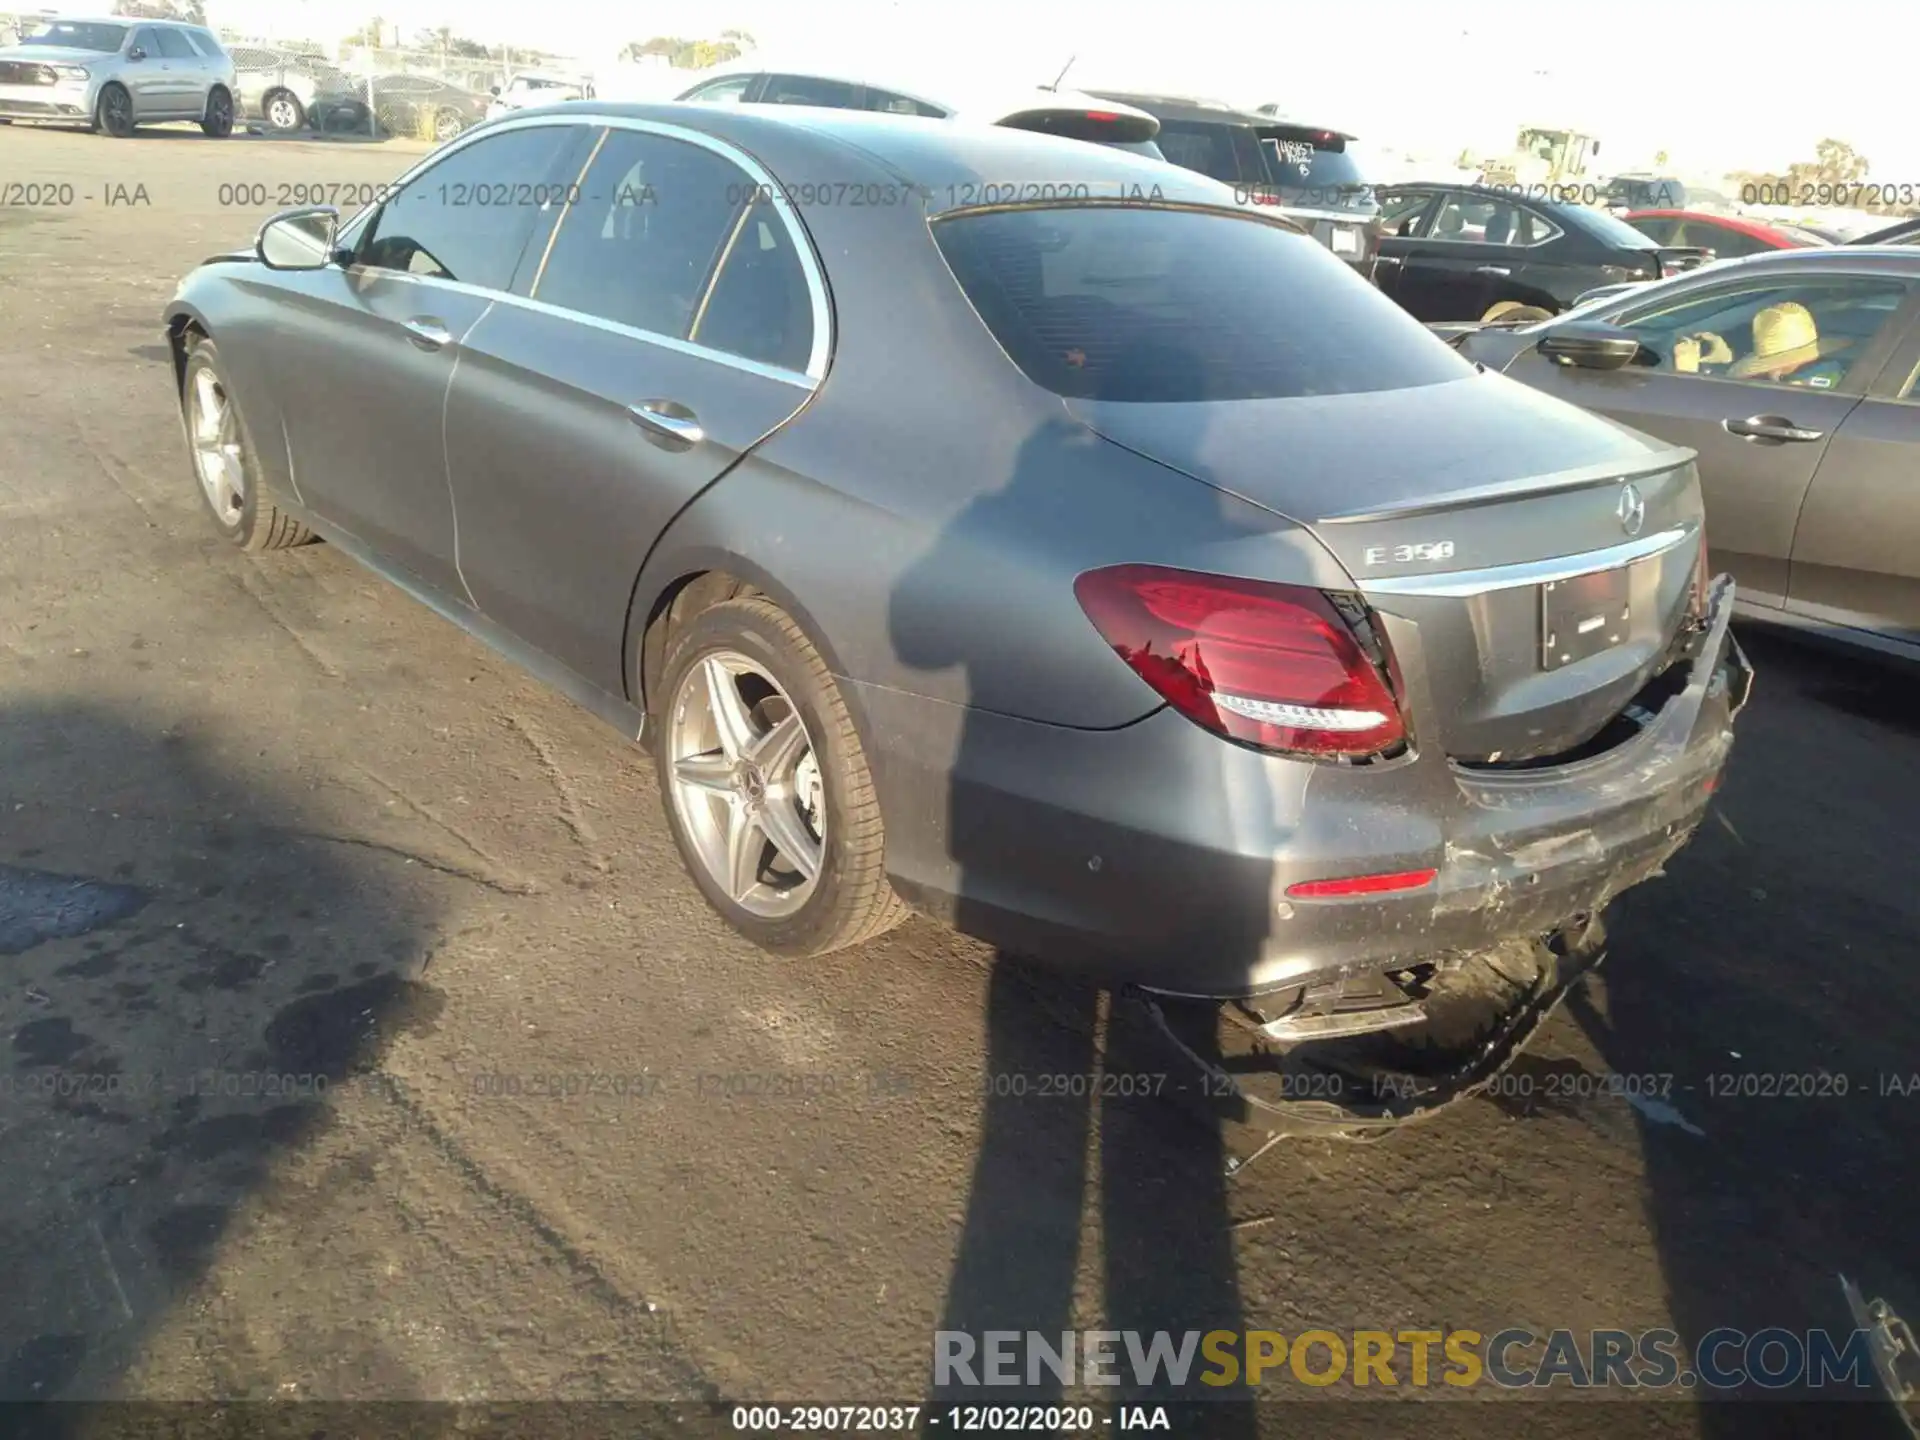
(1304, 160)
(1130, 303)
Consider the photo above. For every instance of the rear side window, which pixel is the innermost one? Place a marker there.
(892, 104)
(806, 90)
(1211, 150)
(760, 307)
(640, 243)
(1157, 305)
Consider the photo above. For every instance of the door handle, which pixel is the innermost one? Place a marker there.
(428, 333)
(1491, 270)
(663, 427)
(1774, 429)
(1386, 260)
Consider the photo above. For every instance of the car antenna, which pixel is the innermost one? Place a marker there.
(1062, 75)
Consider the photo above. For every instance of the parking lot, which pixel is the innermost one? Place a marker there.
(553, 1131)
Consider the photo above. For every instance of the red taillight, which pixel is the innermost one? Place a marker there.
(1106, 115)
(1271, 666)
(1361, 885)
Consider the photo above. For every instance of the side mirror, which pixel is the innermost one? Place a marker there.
(1590, 345)
(298, 239)
(1405, 227)
(136, 53)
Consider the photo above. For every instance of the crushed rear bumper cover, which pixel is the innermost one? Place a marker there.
(1156, 856)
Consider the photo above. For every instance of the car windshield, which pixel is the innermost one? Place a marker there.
(80, 35)
(1130, 303)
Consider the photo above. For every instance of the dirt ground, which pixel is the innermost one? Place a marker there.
(276, 1119)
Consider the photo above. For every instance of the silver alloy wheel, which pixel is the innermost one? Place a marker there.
(746, 786)
(215, 432)
(283, 112)
(447, 124)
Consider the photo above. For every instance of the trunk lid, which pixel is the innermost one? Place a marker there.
(1454, 506)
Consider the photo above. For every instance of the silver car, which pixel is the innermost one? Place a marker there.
(280, 86)
(1126, 582)
(111, 75)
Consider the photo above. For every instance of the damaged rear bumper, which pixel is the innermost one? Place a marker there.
(1156, 856)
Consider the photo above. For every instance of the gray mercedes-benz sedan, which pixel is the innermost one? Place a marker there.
(980, 522)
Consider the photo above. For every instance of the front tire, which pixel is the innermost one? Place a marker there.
(224, 460)
(218, 122)
(447, 124)
(766, 785)
(113, 112)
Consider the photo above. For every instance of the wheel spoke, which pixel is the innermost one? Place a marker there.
(711, 771)
(746, 848)
(780, 749)
(729, 711)
(781, 820)
(208, 411)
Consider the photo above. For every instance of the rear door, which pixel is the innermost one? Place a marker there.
(1753, 480)
(678, 316)
(1856, 553)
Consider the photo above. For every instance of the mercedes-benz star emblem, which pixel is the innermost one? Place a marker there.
(1632, 509)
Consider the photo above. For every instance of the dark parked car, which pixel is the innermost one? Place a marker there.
(1303, 172)
(1728, 237)
(1793, 374)
(1478, 252)
(1901, 232)
(425, 106)
(1019, 624)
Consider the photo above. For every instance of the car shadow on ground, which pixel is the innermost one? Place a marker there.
(1772, 976)
(192, 975)
(1076, 1154)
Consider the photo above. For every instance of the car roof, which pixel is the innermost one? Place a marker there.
(975, 98)
(958, 163)
(1202, 109)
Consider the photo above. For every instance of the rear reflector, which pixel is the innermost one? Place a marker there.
(1361, 885)
(1271, 666)
(1102, 115)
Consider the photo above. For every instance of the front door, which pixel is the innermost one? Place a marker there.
(1717, 377)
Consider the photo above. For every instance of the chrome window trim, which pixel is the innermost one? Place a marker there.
(1464, 584)
(803, 243)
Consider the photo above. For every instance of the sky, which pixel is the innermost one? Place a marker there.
(1717, 84)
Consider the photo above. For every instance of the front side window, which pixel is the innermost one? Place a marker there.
(145, 42)
(891, 104)
(1806, 333)
(466, 218)
(760, 308)
(1126, 303)
(641, 242)
(174, 46)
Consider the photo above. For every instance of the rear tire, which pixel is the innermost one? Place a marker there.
(225, 461)
(447, 124)
(749, 642)
(113, 112)
(283, 111)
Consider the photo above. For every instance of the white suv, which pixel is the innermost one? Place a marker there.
(531, 87)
